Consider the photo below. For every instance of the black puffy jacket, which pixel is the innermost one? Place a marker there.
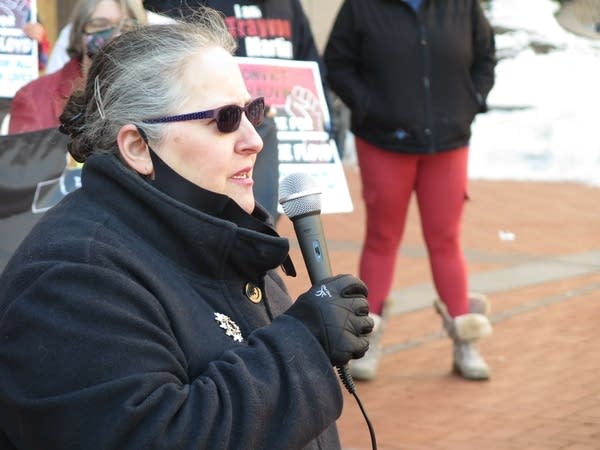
(413, 81)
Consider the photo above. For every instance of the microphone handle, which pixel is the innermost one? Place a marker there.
(311, 239)
(309, 231)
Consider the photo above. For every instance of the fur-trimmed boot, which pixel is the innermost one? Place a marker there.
(465, 330)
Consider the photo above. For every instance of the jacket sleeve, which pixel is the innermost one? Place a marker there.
(342, 60)
(484, 62)
(98, 366)
(305, 49)
(24, 114)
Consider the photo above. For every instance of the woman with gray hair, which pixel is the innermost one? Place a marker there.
(39, 103)
(144, 311)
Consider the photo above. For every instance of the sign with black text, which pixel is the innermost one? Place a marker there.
(18, 53)
(294, 93)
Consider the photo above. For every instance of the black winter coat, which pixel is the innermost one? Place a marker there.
(413, 81)
(126, 322)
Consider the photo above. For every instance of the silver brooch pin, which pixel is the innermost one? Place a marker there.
(231, 328)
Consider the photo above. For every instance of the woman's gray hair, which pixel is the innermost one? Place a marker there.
(134, 9)
(135, 77)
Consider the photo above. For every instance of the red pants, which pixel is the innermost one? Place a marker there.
(440, 183)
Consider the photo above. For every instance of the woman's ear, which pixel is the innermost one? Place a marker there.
(134, 150)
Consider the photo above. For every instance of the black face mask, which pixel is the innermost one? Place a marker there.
(95, 41)
(168, 181)
(175, 186)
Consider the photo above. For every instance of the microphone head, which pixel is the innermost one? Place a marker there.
(299, 195)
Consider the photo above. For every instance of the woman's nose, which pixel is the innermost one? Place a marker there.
(251, 140)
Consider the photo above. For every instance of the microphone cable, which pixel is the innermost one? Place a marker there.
(348, 382)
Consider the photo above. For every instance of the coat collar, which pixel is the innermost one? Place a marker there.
(69, 78)
(190, 238)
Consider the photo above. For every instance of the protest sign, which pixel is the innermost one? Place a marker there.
(18, 53)
(294, 92)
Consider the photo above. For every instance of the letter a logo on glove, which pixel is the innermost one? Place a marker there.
(323, 292)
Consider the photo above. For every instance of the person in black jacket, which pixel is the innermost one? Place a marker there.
(144, 311)
(277, 29)
(414, 74)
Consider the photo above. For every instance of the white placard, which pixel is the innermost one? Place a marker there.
(18, 53)
(294, 91)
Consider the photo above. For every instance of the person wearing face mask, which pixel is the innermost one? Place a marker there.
(276, 29)
(146, 310)
(38, 104)
(59, 55)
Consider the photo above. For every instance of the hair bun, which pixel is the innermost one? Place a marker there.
(72, 124)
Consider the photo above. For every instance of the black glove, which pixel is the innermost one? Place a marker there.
(336, 311)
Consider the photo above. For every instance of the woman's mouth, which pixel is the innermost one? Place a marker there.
(243, 176)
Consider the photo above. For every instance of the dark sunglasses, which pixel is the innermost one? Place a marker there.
(228, 117)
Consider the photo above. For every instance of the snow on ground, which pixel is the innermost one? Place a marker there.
(543, 122)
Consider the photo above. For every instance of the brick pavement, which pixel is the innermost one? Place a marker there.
(545, 351)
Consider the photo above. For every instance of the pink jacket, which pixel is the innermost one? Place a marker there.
(39, 103)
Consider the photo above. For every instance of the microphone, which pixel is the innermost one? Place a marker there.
(300, 198)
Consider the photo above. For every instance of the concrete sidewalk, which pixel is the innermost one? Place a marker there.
(534, 249)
